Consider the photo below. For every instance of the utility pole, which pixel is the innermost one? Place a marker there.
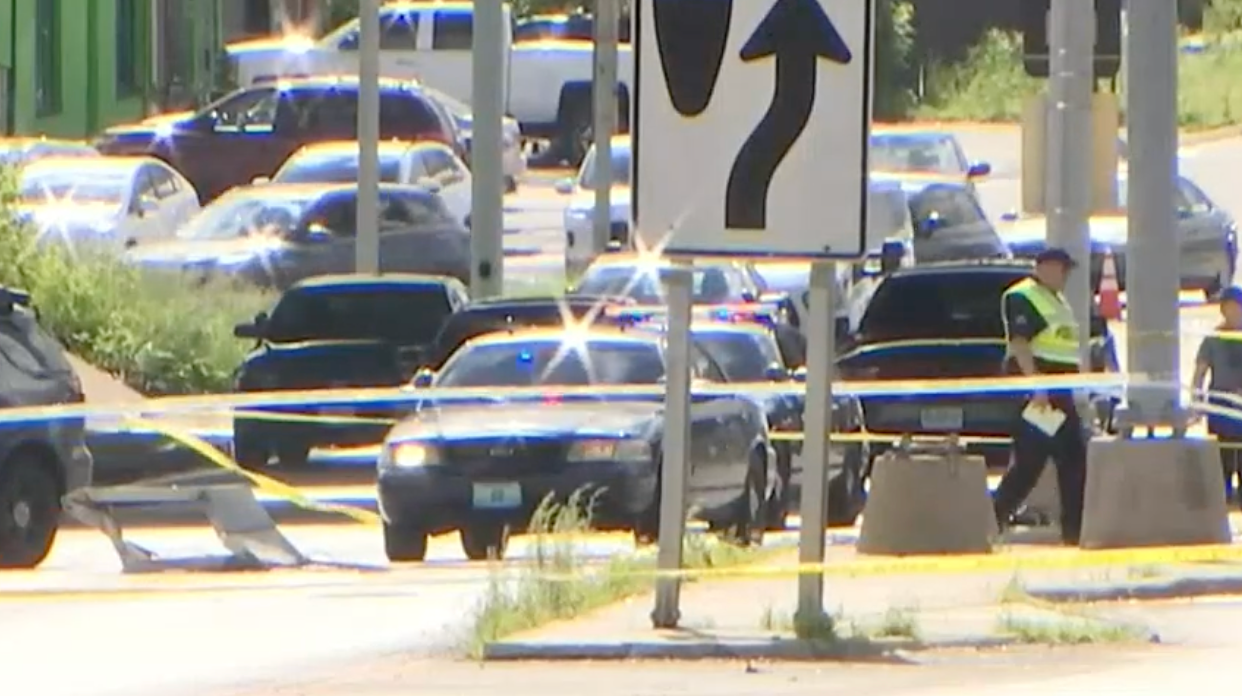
(366, 249)
(1071, 42)
(607, 19)
(487, 150)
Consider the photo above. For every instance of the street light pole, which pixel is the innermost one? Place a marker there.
(366, 250)
(487, 149)
(607, 18)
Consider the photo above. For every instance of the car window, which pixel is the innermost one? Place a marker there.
(315, 114)
(936, 306)
(952, 205)
(416, 210)
(403, 313)
(399, 31)
(703, 367)
(254, 109)
(438, 162)
(1191, 197)
(452, 31)
(145, 186)
(337, 214)
(27, 352)
(711, 284)
(406, 115)
(900, 152)
(553, 362)
(742, 356)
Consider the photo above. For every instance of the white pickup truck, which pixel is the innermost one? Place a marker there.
(548, 83)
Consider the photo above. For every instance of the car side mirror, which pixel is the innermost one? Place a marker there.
(423, 378)
(799, 375)
(978, 170)
(428, 183)
(1185, 213)
(565, 187)
(316, 233)
(252, 329)
(776, 373)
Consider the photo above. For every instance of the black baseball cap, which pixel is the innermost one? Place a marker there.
(1232, 293)
(1056, 255)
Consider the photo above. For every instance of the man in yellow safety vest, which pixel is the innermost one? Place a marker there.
(1042, 337)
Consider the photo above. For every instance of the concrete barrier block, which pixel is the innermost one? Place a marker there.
(927, 503)
(1045, 499)
(1154, 492)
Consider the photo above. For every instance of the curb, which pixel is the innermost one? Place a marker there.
(775, 649)
(1185, 136)
(1182, 588)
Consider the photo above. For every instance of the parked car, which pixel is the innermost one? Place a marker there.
(578, 26)
(40, 460)
(20, 151)
(275, 235)
(918, 151)
(579, 212)
(336, 332)
(1207, 235)
(514, 152)
(249, 132)
(483, 467)
(502, 313)
(112, 202)
(943, 321)
(949, 223)
(548, 87)
(433, 166)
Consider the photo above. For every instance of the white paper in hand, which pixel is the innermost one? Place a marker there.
(1049, 420)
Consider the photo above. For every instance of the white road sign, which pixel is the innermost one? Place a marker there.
(752, 126)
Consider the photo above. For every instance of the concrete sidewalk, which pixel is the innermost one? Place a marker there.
(874, 617)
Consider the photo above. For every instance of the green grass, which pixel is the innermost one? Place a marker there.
(1062, 629)
(990, 85)
(559, 584)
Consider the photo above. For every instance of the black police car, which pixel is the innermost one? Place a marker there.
(337, 332)
(40, 460)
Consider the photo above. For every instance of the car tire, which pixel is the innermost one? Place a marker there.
(485, 542)
(29, 511)
(404, 543)
(647, 523)
(575, 136)
(511, 184)
(845, 492)
(249, 453)
(781, 500)
(750, 517)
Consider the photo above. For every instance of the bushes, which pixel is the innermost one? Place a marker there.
(158, 332)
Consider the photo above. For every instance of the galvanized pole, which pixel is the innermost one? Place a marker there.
(607, 19)
(1152, 272)
(487, 150)
(676, 444)
(1071, 75)
(821, 354)
(366, 251)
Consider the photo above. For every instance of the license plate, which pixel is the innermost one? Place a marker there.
(941, 419)
(497, 496)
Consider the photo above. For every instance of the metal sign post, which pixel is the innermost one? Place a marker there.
(1152, 280)
(366, 250)
(821, 358)
(676, 443)
(1069, 149)
(487, 150)
(607, 19)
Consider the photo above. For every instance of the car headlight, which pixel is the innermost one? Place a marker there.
(609, 450)
(408, 455)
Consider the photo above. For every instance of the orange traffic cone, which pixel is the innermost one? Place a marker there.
(1109, 293)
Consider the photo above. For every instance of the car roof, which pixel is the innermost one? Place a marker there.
(971, 266)
(494, 303)
(319, 189)
(351, 146)
(916, 132)
(362, 280)
(594, 333)
(702, 326)
(634, 258)
(121, 162)
(345, 81)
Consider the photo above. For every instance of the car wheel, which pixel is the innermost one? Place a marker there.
(483, 542)
(404, 543)
(292, 456)
(576, 136)
(781, 499)
(845, 492)
(249, 453)
(511, 184)
(750, 516)
(29, 512)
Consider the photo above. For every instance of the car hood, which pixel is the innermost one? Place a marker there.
(464, 421)
(584, 202)
(197, 251)
(912, 182)
(338, 363)
(1105, 229)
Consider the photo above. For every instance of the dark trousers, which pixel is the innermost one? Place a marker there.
(1032, 449)
(1231, 465)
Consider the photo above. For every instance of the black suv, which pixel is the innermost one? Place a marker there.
(40, 460)
(337, 332)
(252, 131)
(943, 321)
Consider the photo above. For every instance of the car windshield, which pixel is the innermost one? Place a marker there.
(554, 362)
(645, 285)
(248, 214)
(407, 314)
(333, 168)
(914, 153)
(587, 177)
(785, 277)
(952, 206)
(94, 185)
(743, 356)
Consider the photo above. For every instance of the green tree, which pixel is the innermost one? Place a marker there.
(894, 45)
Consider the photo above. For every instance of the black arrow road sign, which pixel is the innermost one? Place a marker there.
(692, 35)
(798, 33)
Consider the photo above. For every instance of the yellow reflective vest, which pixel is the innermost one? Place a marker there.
(1058, 341)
